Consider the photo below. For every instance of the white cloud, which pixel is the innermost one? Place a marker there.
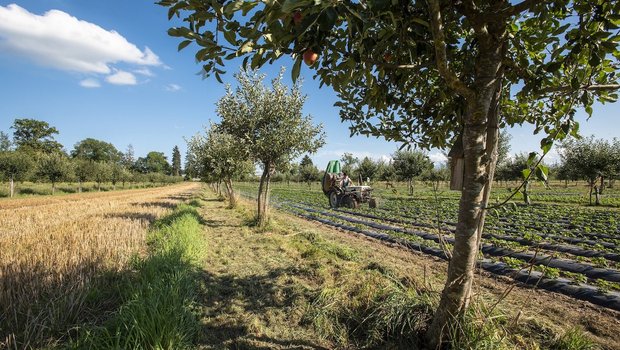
(173, 87)
(90, 83)
(59, 40)
(437, 158)
(144, 71)
(121, 78)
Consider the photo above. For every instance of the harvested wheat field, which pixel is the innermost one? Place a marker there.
(54, 249)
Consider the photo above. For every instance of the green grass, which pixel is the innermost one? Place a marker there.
(157, 309)
(574, 339)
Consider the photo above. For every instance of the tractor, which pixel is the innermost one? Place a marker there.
(349, 196)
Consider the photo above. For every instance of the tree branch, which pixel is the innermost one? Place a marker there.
(440, 52)
(524, 5)
(602, 87)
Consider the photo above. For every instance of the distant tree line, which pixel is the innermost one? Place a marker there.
(32, 154)
(595, 161)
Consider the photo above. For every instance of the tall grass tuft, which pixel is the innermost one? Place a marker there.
(156, 311)
(574, 339)
(372, 311)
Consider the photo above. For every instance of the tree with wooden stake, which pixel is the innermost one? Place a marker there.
(14, 166)
(457, 68)
(269, 122)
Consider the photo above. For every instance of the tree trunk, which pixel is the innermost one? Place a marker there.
(232, 199)
(591, 184)
(602, 185)
(11, 187)
(480, 142)
(79, 186)
(99, 186)
(455, 297)
(410, 186)
(53, 187)
(263, 196)
(597, 196)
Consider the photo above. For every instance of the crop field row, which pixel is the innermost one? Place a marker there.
(575, 247)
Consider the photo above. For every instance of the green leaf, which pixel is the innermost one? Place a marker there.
(525, 173)
(545, 144)
(291, 5)
(542, 172)
(231, 37)
(296, 68)
(183, 44)
(531, 158)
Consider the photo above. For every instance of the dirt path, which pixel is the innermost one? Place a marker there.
(260, 283)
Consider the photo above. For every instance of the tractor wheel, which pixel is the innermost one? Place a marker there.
(350, 202)
(333, 199)
(372, 203)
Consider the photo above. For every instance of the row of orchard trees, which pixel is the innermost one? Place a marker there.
(259, 125)
(595, 161)
(404, 165)
(33, 154)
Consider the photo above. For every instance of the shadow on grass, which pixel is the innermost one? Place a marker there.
(250, 297)
(150, 218)
(165, 205)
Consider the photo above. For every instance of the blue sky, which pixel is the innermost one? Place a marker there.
(108, 70)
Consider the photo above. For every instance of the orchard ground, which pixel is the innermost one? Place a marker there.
(295, 284)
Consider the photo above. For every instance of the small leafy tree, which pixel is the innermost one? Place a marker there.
(102, 173)
(222, 157)
(409, 165)
(367, 169)
(349, 163)
(53, 167)
(84, 170)
(270, 123)
(128, 159)
(591, 159)
(15, 167)
(116, 173)
(176, 161)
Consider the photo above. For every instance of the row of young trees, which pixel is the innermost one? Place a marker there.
(404, 165)
(33, 154)
(259, 125)
(595, 161)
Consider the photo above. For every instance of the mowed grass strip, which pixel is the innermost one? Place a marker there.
(158, 299)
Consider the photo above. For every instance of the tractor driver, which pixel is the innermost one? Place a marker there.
(346, 181)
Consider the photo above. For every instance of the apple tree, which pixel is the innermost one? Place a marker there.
(53, 167)
(14, 165)
(427, 72)
(270, 123)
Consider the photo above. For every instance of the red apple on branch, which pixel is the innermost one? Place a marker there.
(310, 57)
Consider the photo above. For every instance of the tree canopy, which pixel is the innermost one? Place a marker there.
(96, 151)
(33, 135)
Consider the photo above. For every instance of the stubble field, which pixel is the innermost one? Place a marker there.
(55, 250)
